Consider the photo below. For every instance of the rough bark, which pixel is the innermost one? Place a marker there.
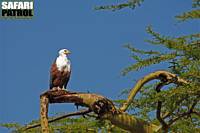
(100, 105)
(44, 102)
(164, 76)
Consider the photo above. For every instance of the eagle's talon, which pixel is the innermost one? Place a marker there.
(84, 116)
(76, 105)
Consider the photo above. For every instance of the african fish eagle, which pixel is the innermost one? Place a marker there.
(60, 70)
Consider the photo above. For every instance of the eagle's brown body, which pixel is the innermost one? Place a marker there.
(58, 78)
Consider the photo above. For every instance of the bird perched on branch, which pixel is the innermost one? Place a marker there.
(60, 70)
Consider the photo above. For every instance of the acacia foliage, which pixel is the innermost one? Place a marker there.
(118, 6)
(182, 57)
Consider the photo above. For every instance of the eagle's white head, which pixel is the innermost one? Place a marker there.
(62, 61)
(64, 52)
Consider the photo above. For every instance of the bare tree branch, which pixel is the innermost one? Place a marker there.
(164, 76)
(81, 112)
(44, 104)
(159, 107)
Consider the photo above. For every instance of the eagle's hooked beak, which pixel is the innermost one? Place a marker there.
(67, 52)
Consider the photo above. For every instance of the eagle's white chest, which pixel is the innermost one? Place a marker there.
(63, 63)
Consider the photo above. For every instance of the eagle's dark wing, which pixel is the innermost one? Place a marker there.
(58, 78)
(67, 79)
(52, 75)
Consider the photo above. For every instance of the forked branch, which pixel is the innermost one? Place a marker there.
(159, 107)
(164, 76)
(103, 107)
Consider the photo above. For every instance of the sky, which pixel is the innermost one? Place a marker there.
(95, 38)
